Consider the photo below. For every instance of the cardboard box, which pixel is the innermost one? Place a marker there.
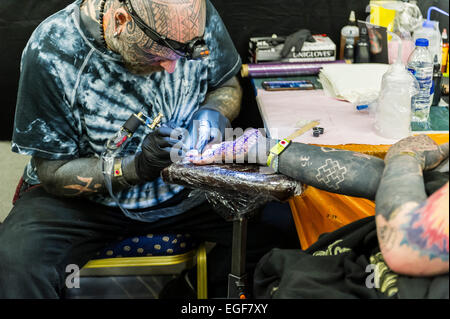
(268, 49)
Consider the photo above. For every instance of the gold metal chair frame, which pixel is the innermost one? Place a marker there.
(196, 256)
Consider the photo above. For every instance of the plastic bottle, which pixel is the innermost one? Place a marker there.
(362, 54)
(407, 48)
(349, 34)
(420, 64)
(430, 31)
(444, 46)
(349, 51)
(437, 78)
(393, 111)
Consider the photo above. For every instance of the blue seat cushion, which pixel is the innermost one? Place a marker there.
(149, 245)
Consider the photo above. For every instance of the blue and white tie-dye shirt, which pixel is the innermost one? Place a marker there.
(74, 95)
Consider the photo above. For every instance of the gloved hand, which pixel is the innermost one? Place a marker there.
(206, 125)
(156, 152)
(296, 40)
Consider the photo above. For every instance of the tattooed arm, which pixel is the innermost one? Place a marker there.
(338, 171)
(84, 176)
(81, 177)
(332, 170)
(226, 99)
(413, 230)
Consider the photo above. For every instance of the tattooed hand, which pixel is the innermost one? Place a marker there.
(427, 152)
(251, 147)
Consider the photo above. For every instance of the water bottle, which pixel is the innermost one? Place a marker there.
(420, 64)
(430, 31)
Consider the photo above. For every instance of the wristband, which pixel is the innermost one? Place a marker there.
(276, 151)
(118, 173)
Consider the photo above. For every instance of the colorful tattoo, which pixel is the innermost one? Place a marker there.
(428, 228)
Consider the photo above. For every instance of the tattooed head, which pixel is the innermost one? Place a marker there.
(179, 20)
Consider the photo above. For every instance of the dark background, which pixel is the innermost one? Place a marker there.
(243, 18)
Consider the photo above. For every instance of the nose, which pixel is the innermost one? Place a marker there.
(168, 65)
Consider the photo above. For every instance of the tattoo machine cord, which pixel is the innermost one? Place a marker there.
(117, 143)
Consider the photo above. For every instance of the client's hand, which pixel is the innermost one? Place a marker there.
(427, 152)
(251, 147)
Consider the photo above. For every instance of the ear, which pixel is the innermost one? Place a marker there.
(121, 18)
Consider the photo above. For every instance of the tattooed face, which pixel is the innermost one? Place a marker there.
(179, 20)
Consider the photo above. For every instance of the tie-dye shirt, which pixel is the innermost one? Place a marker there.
(74, 95)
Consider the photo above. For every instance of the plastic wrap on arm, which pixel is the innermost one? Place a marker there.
(233, 189)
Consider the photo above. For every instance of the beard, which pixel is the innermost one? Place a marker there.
(134, 63)
(143, 68)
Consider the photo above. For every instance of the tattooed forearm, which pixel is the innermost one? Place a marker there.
(415, 238)
(226, 99)
(402, 182)
(337, 171)
(427, 227)
(81, 177)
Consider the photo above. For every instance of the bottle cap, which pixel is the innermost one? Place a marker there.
(352, 16)
(422, 42)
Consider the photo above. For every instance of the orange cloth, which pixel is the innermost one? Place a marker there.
(316, 212)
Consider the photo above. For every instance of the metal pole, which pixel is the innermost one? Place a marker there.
(237, 277)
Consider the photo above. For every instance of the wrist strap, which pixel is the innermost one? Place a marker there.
(277, 150)
(118, 173)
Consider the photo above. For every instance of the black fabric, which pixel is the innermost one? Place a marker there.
(299, 274)
(18, 19)
(434, 180)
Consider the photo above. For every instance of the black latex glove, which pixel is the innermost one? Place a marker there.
(207, 125)
(296, 40)
(156, 152)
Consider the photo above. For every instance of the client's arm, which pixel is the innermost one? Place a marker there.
(332, 170)
(413, 230)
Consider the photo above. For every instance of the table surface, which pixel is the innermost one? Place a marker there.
(283, 112)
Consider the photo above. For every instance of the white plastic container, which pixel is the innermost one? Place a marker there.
(430, 31)
(393, 111)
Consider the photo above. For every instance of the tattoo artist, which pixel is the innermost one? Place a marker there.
(84, 71)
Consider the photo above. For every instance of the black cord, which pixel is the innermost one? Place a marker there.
(100, 20)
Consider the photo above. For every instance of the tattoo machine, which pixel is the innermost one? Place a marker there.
(118, 141)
